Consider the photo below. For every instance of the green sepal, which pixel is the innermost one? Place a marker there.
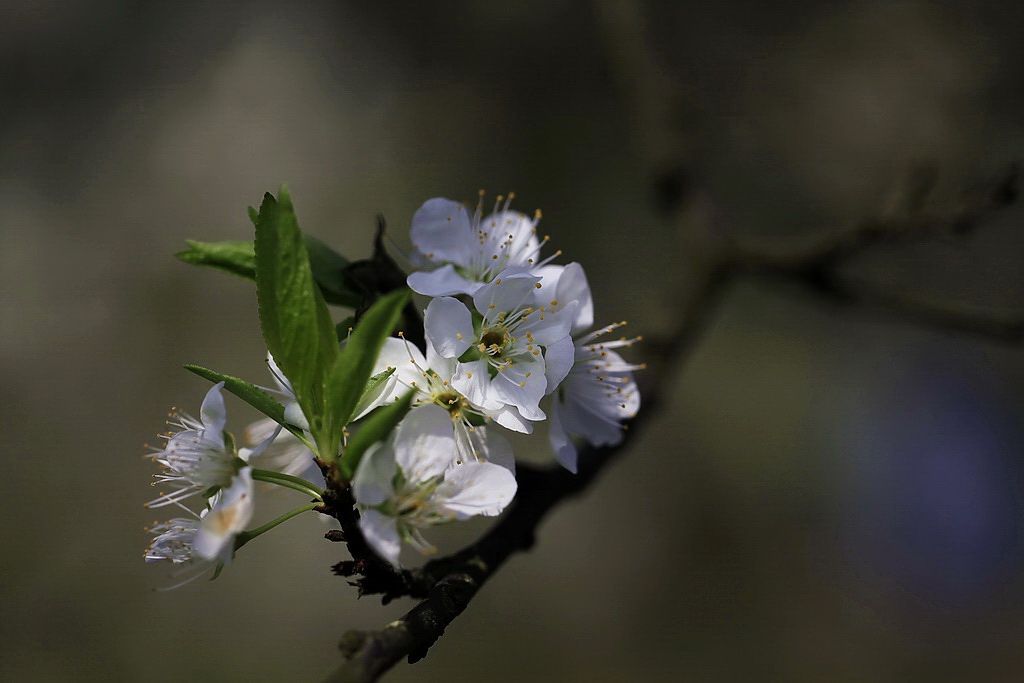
(352, 369)
(235, 257)
(251, 394)
(229, 441)
(375, 381)
(374, 428)
(374, 387)
(297, 327)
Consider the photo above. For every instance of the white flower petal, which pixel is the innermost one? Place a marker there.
(566, 284)
(372, 483)
(521, 385)
(444, 367)
(595, 398)
(449, 326)
(262, 446)
(441, 230)
(229, 516)
(495, 448)
(548, 328)
(473, 381)
(510, 236)
(381, 532)
(213, 413)
(514, 288)
(288, 455)
(259, 430)
(595, 404)
(195, 457)
(174, 541)
(293, 415)
(483, 444)
(424, 443)
(558, 361)
(509, 418)
(561, 444)
(283, 385)
(476, 488)
(445, 281)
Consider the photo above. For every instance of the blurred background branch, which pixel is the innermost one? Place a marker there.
(825, 495)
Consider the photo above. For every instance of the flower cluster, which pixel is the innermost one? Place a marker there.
(200, 460)
(508, 345)
(197, 461)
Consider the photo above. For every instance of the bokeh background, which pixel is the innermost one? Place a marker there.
(829, 495)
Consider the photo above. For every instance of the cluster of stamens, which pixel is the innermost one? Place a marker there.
(501, 246)
(191, 461)
(440, 391)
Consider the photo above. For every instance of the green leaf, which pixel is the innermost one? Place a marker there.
(251, 394)
(238, 258)
(375, 428)
(353, 367)
(329, 271)
(254, 215)
(297, 327)
(235, 257)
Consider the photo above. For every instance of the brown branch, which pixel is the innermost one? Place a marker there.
(448, 584)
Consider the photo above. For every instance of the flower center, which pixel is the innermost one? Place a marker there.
(450, 400)
(493, 342)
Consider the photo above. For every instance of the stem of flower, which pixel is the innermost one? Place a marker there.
(247, 536)
(288, 481)
(305, 442)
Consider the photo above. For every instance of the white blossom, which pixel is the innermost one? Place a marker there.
(228, 516)
(418, 479)
(199, 543)
(501, 351)
(565, 284)
(430, 378)
(195, 457)
(288, 454)
(598, 394)
(174, 542)
(292, 412)
(285, 453)
(468, 250)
